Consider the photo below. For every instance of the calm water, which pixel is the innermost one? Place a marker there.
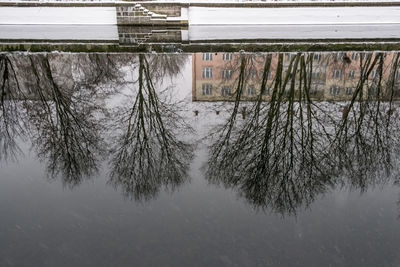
(210, 159)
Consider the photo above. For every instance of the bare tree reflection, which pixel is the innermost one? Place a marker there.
(63, 101)
(366, 141)
(165, 65)
(290, 149)
(12, 123)
(67, 134)
(94, 70)
(264, 155)
(148, 155)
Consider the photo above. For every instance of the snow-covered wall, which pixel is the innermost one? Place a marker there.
(57, 15)
(303, 15)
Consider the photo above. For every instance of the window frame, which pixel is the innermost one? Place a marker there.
(334, 90)
(207, 56)
(226, 91)
(226, 74)
(206, 88)
(207, 72)
(337, 73)
(227, 56)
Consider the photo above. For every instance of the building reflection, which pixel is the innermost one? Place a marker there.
(332, 76)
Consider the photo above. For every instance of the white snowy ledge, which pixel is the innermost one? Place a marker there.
(283, 16)
(58, 15)
(210, 16)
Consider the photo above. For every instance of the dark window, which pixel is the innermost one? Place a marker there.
(207, 89)
(207, 56)
(334, 90)
(226, 91)
(207, 72)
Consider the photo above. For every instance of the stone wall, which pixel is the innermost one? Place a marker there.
(129, 35)
(151, 15)
(137, 14)
(169, 10)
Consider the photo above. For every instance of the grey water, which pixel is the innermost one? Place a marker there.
(203, 159)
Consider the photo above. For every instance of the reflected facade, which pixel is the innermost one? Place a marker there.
(334, 76)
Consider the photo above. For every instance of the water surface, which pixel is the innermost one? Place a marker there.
(213, 159)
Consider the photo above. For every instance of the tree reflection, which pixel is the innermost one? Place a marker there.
(148, 154)
(66, 131)
(164, 65)
(60, 100)
(11, 121)
(366, 141)
(280, 151)
(291, 149)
